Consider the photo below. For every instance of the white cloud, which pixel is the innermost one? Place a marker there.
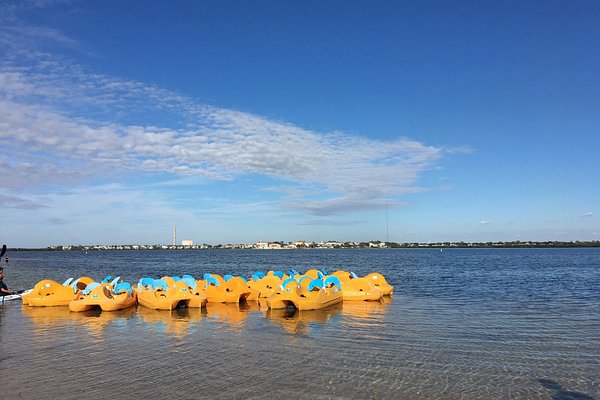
(484, 222)
(67, 125)
(586, 214)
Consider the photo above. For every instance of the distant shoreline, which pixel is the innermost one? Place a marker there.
(324, 245)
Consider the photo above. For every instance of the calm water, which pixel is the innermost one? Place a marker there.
(463, 324)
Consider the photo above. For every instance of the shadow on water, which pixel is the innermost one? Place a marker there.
(560, 393)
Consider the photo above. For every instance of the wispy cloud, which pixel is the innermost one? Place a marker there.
(484, 222)
(68, 125)
(586, 214)
(17, 202)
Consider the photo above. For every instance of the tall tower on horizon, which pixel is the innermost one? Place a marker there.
(174, 235)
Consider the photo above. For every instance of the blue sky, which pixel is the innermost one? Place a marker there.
(246, 121)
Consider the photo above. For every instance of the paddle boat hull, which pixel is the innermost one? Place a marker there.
(178, 294)
(103, 298)
(379, 281)
(234, 290)
(49, 293)
(305, 301)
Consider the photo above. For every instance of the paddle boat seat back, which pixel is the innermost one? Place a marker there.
(219, 278)
(160, 284)
(189, 281)
(145, 282)
(258, 275)
(123, 287)
(315, 284)
(90, 287)
(333, 282)
(210, 280)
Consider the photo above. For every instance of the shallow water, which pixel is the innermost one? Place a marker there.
(462, 324)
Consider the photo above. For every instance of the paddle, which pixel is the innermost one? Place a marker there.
(3, 250)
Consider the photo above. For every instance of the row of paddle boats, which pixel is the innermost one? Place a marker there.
(309, 291)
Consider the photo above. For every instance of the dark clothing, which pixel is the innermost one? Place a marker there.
(3, 286)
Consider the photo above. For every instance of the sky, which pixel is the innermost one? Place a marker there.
(237, 122)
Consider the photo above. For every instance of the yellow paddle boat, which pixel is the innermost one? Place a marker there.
(240, 283)
(235, 290)
(106, 298)
(379, 281)
(159, 295)
(266, 285)
(315, 273)
(357, 289)
(49, 293)
(320, 293)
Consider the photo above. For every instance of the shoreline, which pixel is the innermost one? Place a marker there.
(326, 246)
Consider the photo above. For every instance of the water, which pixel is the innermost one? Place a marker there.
(462, 324)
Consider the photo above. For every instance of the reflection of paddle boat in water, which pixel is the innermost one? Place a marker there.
(369, 311)
(379, 281)
(169, 293)
(49, 293)
(105, 297)
(320, 293)
(233, 290)
(178, 322)
(295, 322)
(232, 314)
(357, 289)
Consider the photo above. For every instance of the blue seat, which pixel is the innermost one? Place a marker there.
(288, 280)
(279, 274)
(159, 284)
(187, 276)
(259, 274)
(88, 289)
(107, 279)
(123, 286)
(68, 282)
(176, 278)
(211, 280)
(315, 283)
(191, 282)
(146, 281)
(333, 280)
(114, 282)
(227, 277)
(257, 277)
(353, 275)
